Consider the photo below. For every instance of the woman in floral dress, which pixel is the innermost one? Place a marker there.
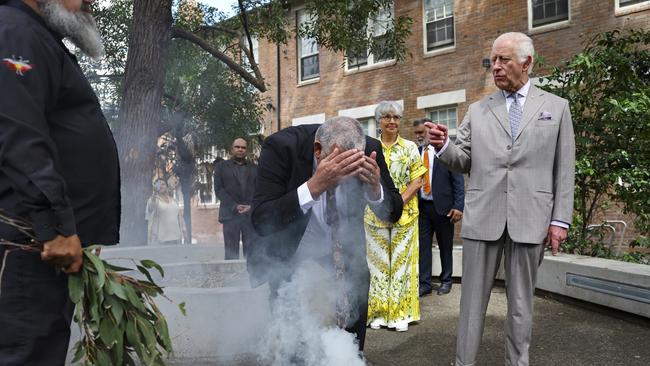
(393, 248)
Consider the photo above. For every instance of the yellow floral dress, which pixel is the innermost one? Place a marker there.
(393, 248)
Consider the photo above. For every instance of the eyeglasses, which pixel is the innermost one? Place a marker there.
(394, 118)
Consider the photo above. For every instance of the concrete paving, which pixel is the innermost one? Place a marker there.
(565, 333)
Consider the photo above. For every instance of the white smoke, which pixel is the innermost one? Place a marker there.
(302, 331)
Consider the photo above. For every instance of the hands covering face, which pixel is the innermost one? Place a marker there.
(339, 165)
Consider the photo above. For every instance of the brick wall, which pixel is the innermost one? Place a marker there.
(477, 23)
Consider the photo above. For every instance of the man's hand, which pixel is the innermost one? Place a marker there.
(370, 175)
(243, 208)
(455, 215)
(437, 134)
(556, 235)
(64, 253)
(333, 168)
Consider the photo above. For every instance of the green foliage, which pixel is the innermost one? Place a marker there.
(343, 26)
(117, 315)
(608, 88)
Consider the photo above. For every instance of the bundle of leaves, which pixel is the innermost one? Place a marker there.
(117, 314)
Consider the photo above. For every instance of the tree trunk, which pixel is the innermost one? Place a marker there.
(141, 110)
(185, 172)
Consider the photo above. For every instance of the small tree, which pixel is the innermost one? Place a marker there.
(608, 88)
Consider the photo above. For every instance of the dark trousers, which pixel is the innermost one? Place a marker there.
(234, 230)
(431, 222)
(35, 311)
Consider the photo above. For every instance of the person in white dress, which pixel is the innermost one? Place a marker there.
(164, 217)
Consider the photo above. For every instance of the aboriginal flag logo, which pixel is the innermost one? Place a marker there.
(19, 66)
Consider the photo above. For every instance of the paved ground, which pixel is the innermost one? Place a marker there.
(564, 333)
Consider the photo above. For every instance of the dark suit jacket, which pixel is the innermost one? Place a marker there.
(447, 188)
(231, 191)
(286, 162)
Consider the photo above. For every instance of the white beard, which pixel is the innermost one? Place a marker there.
(79, 27)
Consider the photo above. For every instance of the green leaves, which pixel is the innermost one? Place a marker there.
(608, 88)
(117, 315)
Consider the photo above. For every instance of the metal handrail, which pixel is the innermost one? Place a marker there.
(609, 224)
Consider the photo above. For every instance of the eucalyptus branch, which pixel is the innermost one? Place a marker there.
(117, 315)
(181, 33)
(204, 28)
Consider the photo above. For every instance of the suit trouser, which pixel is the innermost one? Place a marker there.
(35, 311)
(234, 230)
(430, 221)
(481, 262)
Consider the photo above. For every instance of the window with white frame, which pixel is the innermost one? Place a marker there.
(624, 3)
(544, 12)
(439, 23)
(308, 60)
(377, 27)
(369, 126)
(447, 116)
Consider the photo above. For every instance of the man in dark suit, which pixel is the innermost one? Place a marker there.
(301, 169)
(234, 183)
(440, 200)
(59, 173)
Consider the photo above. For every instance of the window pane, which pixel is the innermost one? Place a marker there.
(549, 11)
(438, 9)
(385, 52)
(309, 67)
(358, 59)
(308, 47)
(452, 118)
(630, 2)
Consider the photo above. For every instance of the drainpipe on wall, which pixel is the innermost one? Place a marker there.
(277, 98)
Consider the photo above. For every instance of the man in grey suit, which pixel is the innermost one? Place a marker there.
(518, 147)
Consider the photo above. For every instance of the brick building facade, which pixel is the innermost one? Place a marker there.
(444, 73)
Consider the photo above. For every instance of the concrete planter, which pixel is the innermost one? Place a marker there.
(225, 317)
(619, 285)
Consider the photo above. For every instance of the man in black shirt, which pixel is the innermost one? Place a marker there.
(234, 184)
(58, 171)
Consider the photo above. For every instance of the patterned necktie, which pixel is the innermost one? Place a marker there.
(427, 177)
(342, 301)
(514, 115)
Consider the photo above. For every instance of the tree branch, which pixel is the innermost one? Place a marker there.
(248, 50)
(217, 29)
(257, 82)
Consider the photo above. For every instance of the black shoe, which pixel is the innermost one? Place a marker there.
(424, 293)
(444, 289)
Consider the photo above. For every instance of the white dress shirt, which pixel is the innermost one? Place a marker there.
(316, 242)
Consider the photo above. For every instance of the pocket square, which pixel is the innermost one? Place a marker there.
(545, 115)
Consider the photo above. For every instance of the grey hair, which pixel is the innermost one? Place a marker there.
(344, 132)
(523, 46)
(387, 106)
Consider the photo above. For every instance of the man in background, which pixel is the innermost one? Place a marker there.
(234, 184)
(441, 201)
(59, 172)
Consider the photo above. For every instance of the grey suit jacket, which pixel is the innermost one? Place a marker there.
(524, 185)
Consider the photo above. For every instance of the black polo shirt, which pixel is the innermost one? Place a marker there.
(59, 166)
